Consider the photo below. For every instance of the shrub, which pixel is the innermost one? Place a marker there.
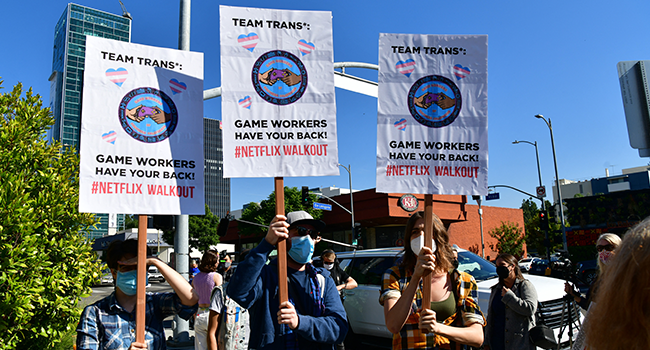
(45, 263)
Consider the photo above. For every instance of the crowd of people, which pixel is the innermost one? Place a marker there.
(242, 310)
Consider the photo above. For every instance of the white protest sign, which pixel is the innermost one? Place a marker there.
(432, 126)
(141, 130)
(278, 106)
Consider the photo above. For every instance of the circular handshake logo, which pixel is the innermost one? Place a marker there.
(148, 115)
(434, 101)
(279, 77)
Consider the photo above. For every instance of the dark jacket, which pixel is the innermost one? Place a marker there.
(254, 286)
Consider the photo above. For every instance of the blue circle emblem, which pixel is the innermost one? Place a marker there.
(148, 115)
(434, 101)
(279, 77)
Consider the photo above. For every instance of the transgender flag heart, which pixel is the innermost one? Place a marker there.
(110, 136)
(461, 72)
(245, 102)
(401, 124)
(177, 86)
(305, 47)
(406, 67)
(248, 41)
(117, 76)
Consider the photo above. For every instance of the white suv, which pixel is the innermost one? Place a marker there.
(155, 275)
(525, 264)
(367, 267)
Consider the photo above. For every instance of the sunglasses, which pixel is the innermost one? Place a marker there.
(303, 231)
(608, 247)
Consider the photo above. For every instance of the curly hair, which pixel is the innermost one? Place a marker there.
(443, 253)
(620, 317)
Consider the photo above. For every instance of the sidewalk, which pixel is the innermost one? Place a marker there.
(188, 344)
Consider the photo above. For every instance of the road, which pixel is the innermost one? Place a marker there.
(100, 292)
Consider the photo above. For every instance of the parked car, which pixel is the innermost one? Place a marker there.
(155, 275)
(538, 267)
(366, 316)
(524, 264)
(587, 271)
(106, 278)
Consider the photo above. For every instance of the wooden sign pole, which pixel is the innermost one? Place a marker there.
(428, 238)
(142, 276)
(282, 244)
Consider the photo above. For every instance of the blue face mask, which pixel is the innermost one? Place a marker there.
(128, 281)
(302, 249)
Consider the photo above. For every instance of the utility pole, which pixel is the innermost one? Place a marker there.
(181, 239)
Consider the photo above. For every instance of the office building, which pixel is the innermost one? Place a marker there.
(66, 80)
(217, 189)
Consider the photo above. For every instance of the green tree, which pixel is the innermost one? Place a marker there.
(510, 239)
(534, 235)
(264, 212)
(130, 221)
(46, 265)
(202, 231)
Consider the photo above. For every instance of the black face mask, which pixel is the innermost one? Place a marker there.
(455, 263)
(503, 272)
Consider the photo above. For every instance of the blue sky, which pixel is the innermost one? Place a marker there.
(556, 58)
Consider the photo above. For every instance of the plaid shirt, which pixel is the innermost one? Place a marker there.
(410, 336)
(106, 325)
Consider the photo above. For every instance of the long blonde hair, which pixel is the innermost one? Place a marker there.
(620, 317)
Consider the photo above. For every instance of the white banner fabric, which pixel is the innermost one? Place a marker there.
(141, 130)
(432, 126)
(278, 106)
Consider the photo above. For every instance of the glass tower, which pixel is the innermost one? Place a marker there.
(217, 189)
(66, 80)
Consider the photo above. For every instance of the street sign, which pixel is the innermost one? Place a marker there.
(493, 195)
(323, 206)
(541, 191)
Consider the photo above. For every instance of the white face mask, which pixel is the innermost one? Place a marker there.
(417, 244)
(328, 266)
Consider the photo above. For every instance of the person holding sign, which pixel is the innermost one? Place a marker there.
(314, 317)
(453, 319)
(110, 322)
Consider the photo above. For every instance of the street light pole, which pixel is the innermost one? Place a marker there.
(348, 169)
(557, 181)
(539, 173)
(480, 215)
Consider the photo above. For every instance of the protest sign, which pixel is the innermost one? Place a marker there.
(432, 114)
(278, 108)
(141, 130)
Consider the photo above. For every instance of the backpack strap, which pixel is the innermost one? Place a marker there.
(223, 292)
(321, 283)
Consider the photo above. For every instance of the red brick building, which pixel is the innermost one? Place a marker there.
(382, 221)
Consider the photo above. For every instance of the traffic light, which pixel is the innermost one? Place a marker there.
(357, 232)
(543, 221)
(305, 196)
